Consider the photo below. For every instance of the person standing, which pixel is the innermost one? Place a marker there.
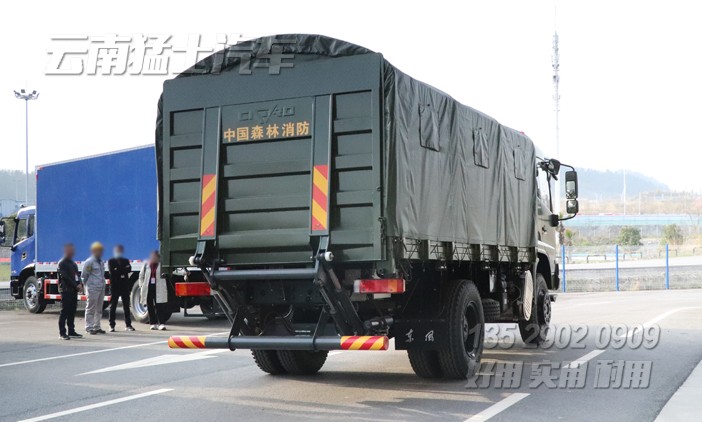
(93, 277)
(69, 287)
(119, 268)
(154, 291)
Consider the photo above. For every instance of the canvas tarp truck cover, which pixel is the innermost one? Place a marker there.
(449, 172)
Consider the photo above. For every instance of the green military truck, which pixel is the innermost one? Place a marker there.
(333, 202)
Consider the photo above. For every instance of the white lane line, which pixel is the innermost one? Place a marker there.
(497, 407)
(576, 363)
(159, 360)
(657, 319)
(81, 354)
(96, 405)
(92, 352)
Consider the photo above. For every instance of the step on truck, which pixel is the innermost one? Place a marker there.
(333, 202)
(110, 198)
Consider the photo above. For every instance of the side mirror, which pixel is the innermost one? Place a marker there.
(572, 206)
(553, 220)
(571, 186)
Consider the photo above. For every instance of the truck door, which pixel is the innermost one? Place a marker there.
(284, 159)
(546, 234)
(23, 249)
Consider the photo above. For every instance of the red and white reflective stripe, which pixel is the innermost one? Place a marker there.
(55, 281)
(80, 297)
(52, 296)
(383, 285)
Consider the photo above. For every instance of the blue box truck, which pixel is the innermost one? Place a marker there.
(110, 198)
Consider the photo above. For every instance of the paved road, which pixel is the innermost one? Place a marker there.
(133, 376)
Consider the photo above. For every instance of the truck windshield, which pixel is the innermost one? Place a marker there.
(21, 233)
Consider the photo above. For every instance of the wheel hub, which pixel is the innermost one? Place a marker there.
(528, 294)
(546, 309)
(30, 295)
(471, 330)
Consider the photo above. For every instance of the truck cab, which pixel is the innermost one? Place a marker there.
(21, 240)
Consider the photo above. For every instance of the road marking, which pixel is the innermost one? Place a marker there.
(159, 360)
(684, 404)
(497, 407)
(96, 405)
(659, 318)
(576, 363)
(81, 354)
(92, 352)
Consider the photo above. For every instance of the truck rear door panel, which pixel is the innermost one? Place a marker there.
(284, 141)
(182, 161)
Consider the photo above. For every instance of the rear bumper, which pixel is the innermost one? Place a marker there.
(281, 342)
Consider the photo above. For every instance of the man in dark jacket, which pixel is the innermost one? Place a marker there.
(69, 286)
(120, 268)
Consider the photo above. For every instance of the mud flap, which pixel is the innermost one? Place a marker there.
(420, 334)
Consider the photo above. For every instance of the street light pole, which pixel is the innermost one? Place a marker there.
(23, 95)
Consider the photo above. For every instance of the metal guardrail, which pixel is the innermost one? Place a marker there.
(687, 258)
(587, 258)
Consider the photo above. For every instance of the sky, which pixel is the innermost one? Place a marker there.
(631, 71)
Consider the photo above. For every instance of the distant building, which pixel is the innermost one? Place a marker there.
(8, 206)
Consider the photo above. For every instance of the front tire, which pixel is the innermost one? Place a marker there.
(535, 330)
(302, 362)
(33, 300)
(466, 331)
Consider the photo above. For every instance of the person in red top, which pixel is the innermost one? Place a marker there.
(154, 291)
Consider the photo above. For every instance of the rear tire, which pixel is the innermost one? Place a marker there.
(211, 310)
(139, 312)
(425, 363)
(535, 329)
(268, 361)
(33, 300)
(302, 362)
(466, 331)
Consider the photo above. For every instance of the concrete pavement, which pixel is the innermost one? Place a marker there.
(124, 376)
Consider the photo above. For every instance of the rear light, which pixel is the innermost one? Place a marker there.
(192, 289)
(385, 285)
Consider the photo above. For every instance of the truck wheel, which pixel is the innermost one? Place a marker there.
(139, 312)
(466, 331)
(268, 361)
(535, 329)
(491, 310)
(425, 363)
(33, 300)
(210, 309)
(302, 362)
